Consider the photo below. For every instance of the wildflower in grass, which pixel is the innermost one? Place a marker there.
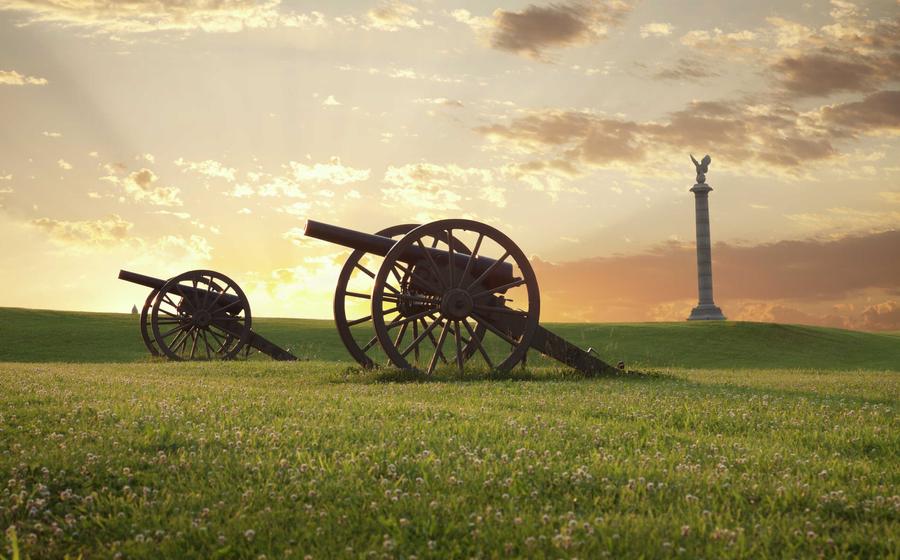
(249, 534)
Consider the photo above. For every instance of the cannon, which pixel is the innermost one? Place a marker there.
(452, 292)
(199, 314)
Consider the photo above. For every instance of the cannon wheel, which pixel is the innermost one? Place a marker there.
(342, 295)
(199, 327)
(146, 328)
(454, 301)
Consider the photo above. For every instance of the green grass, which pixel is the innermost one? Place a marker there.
(744, 440)
(54, 336)
(241, 459)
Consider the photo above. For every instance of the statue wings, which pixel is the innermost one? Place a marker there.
(703, 163)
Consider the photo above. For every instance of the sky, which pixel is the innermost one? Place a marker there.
(168, 135)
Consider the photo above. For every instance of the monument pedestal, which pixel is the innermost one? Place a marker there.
(706, 309)
(706, 312)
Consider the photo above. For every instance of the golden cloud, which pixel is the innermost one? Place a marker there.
(13, 78)
(208, 168)
(140, 186)
(767, 135)
(395, 15)
(104, 232)
(219, 16)
(538, 28)
(434, 187)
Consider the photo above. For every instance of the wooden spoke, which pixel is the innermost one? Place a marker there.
(489, 269)
(219, 295)
(431, 263)
(401, 334)
(419, 338)
(450, 263)
(358, 295)
(471, 258)
(172, 303)
(434, 340)
(370, 344)
(178, 337)
(359, 321)
(415, 334)
(194, 344)
(459, 347)
(403, 320)
(477, 340)
(437, 349)
(178, 328)
(164, 312)
(206, 343)
(366, 270)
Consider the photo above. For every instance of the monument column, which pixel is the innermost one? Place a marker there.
(706, 309)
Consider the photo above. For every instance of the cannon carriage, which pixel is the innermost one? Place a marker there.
(451, 293)
(199, 315)
(454, 292)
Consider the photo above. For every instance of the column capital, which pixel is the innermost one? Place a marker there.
(701, 188)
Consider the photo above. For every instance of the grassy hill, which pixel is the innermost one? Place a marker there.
(28, 335)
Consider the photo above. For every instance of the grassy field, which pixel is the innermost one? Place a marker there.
(55, 336)
(715, 458)
(295, 460)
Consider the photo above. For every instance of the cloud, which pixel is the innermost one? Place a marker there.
(141, 186)
(881, 316)
(441, 101)
(63, 164)
(718, 42)
(656, 30)
(297, 237)
(538, 28)
(842, 220)
(218, 16)
(209, 168)
(439, 188)
(875, 113)
(852, 54)
(13, 78)
(104, 232)
(334, 172)
(395, 15)
(402, 73)
(828, 71)
(52, 134)
(766, 137)
(808, 276)
(686, 70)
(115, 233)
(330, 101)
(299, 180)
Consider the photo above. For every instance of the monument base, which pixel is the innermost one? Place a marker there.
(706, 312)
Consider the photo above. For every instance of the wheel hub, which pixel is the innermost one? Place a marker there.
(457, 304)
(202, 318)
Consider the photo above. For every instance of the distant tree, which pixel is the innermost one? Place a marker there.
(134, 310)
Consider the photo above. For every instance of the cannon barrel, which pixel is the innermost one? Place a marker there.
(378, 245)
(157, 284)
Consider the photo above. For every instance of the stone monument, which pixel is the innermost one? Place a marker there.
(706, 309)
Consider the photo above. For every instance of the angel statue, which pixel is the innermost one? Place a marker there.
(702, 167)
